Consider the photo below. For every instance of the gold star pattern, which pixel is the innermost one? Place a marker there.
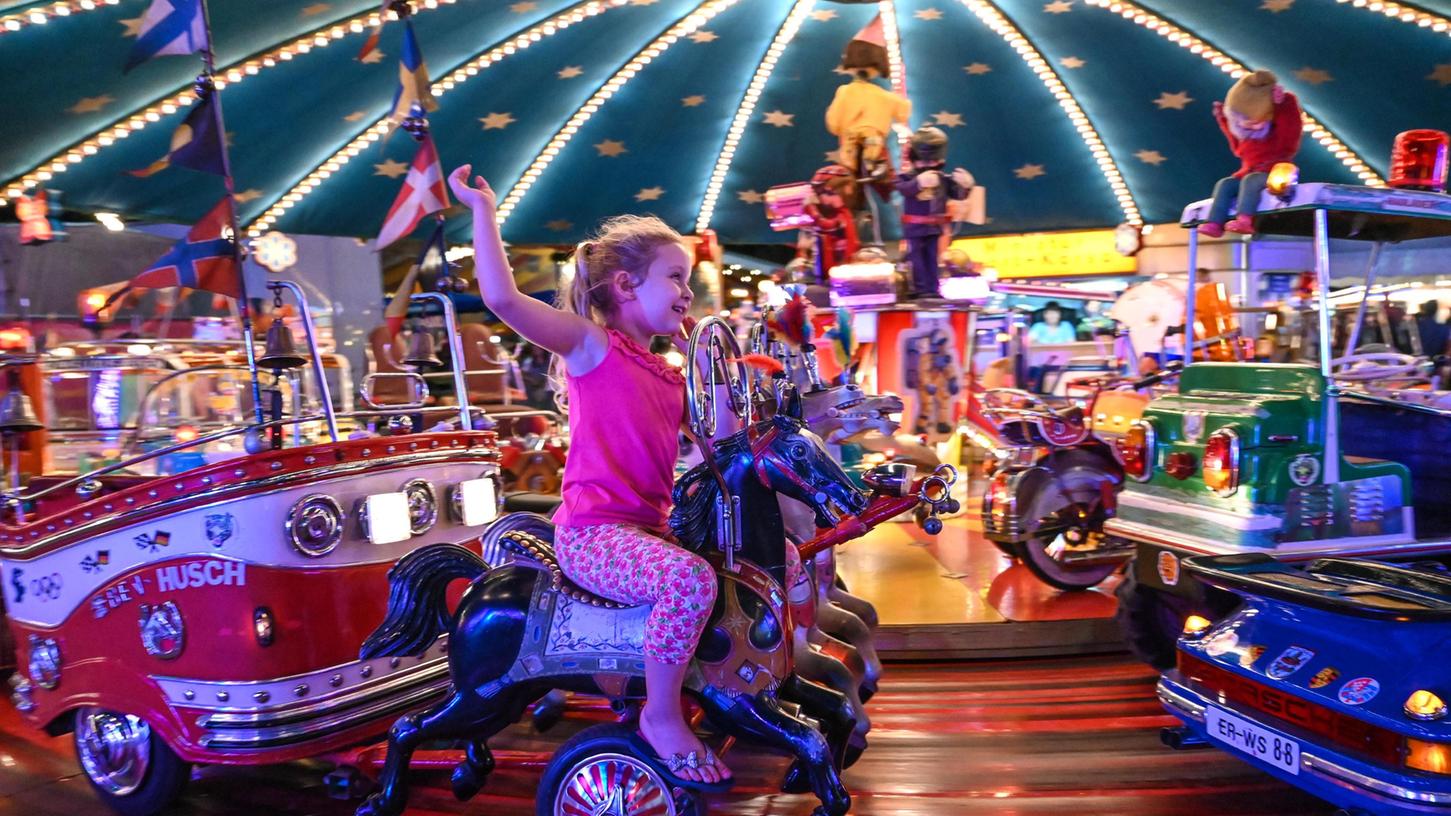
(750, 196)
(1058, 7)
(355, 116)
(1313, 76)
(611, 148)
(373, 57)
(929, 14)
(570, 71)
(315, 9)
(523, 8)
(1176, 101)
(1153, 157)
(559, 225)
(977, 68)
(1028, 172)
(780, 118)
(1442, 74)
(133, 26)
(1276, 6)
(390, 168)
(703, 36)
(823, 15)
(91, 104)
(497, 121)
(695, 100)
(946, 119)
(1071, 63)
(650, 193)
(247, 195)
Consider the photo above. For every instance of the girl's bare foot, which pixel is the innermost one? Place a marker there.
(668, 734)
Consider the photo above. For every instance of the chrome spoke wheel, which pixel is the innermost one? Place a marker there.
(614, 784)
(114, 749)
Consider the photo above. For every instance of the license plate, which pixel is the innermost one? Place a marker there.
(1248, 738)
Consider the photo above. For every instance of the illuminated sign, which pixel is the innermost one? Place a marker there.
(1049, 254)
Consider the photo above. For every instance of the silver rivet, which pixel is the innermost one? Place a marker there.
(132, 499)
(392, 448)
(366, 672)
(261, 696)
(189, 694)
(152, 493)
(222, 696)
(50, 527)
(393, 662)
(206, 480)
(433, 443)
(108, 507)
(86, 514)
(309, 459)
(367, 451)
(301, 690)
(335, 681)
(413, 446)
(239, 472)
(70, 521)
(33, 534)
(276, 465)
(180, 486)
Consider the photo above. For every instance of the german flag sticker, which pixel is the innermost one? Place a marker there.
(1324, 677)
(1250, 655)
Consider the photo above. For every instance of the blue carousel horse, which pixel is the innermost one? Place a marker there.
(523, 629)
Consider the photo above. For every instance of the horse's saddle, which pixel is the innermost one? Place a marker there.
(538, 550)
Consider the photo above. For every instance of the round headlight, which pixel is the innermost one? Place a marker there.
(422, 506)
(1424, 705)
(315, 525)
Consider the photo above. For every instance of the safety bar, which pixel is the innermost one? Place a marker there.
(313, 353)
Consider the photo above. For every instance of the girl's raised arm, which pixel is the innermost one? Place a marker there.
(579, 341)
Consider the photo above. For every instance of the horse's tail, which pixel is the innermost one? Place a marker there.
(417, 611)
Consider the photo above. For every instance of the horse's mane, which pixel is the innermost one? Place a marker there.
(692, 519)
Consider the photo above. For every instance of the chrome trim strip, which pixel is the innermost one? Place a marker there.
(319, 727)
(1224, 518)
(284, 714)
(1173, 696)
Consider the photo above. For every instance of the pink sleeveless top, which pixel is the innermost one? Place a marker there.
(625, 419)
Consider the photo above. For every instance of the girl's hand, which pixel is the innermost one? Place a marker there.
(682, 337)
(479, 197)
(1278, 94)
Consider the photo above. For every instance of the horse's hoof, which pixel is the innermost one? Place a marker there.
(549, 710)
(853, 752)
(797, 779)
(374, 806)
(465, 782)
(866, 691)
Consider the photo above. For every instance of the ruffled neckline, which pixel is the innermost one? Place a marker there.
(650, 360)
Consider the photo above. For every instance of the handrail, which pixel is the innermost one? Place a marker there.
(146, 398)
(313, 353)
(456, 355)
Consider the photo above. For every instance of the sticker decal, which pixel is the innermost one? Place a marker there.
(1222, 643)
(1290, 661)
(220, 527)
(1168, 565)
(1325, 677)
(1359, 691)
(94, 563)
(1304, 470)
(1194, 425)
(15, 580)
(1250, 655)
(153, 542)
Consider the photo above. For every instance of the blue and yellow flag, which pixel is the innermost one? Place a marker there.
(413, 80)
(195, 144)
(169, 27)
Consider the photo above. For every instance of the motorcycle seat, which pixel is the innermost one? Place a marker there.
(542, 552)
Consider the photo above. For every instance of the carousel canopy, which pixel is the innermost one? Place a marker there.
(1072, 113)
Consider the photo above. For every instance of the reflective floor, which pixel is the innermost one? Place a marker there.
(1012, 737)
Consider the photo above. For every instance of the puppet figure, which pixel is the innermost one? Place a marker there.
(931, 370)
(832, 223)
(863, 112)
(1263, 124)
(925, 190)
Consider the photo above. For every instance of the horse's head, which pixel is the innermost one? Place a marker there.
(790, 459)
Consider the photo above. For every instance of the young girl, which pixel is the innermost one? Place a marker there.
(632, 284)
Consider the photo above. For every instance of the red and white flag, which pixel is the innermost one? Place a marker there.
(423, 193)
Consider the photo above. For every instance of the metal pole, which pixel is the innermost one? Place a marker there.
(456, 350)
(314, 353)
(1355, 329)
(1189, 296)
(1331, 467)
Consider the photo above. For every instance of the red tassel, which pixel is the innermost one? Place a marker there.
(770, 365)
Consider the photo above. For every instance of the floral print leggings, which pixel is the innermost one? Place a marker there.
(631, 566)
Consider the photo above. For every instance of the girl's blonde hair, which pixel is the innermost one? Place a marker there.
(624, 242)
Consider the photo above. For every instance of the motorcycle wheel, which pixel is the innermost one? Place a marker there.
(1042, 554)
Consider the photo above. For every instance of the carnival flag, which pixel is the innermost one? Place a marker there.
(205, 259)
(412, 79)
(169, 27)
(372, 41)
(195, 144)
(423, 193)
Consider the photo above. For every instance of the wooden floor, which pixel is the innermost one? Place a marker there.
(1072, 735)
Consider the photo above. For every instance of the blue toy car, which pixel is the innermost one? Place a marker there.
(1331, 676)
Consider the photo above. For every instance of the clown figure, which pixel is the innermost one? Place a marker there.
(925, 190)
(832, 222)
(863, 112)
(1263, 124)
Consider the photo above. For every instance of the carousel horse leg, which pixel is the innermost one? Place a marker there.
(453, 718)
(833, 592)
(469, 776)
(818, 667)
(841, 624)
(761, 718)
(841, 650)
(830, 708)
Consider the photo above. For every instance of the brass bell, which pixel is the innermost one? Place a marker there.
(280, 352)
(17, 415)
(421, 353)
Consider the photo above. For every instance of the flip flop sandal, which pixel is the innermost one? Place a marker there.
(669, 768)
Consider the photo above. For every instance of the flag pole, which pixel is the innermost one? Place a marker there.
(206, 84)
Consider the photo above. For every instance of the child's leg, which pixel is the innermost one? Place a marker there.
(1224, 194)
(628, 565)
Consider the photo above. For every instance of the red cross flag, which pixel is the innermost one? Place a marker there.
(423, 193)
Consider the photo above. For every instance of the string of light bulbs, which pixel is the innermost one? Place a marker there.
(683, 27)
(231, 74)
(991, 16)
(888, 11)
(448, 82)
(1405, 14)
(1235, 70)
(40, 15)
(747, 108)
